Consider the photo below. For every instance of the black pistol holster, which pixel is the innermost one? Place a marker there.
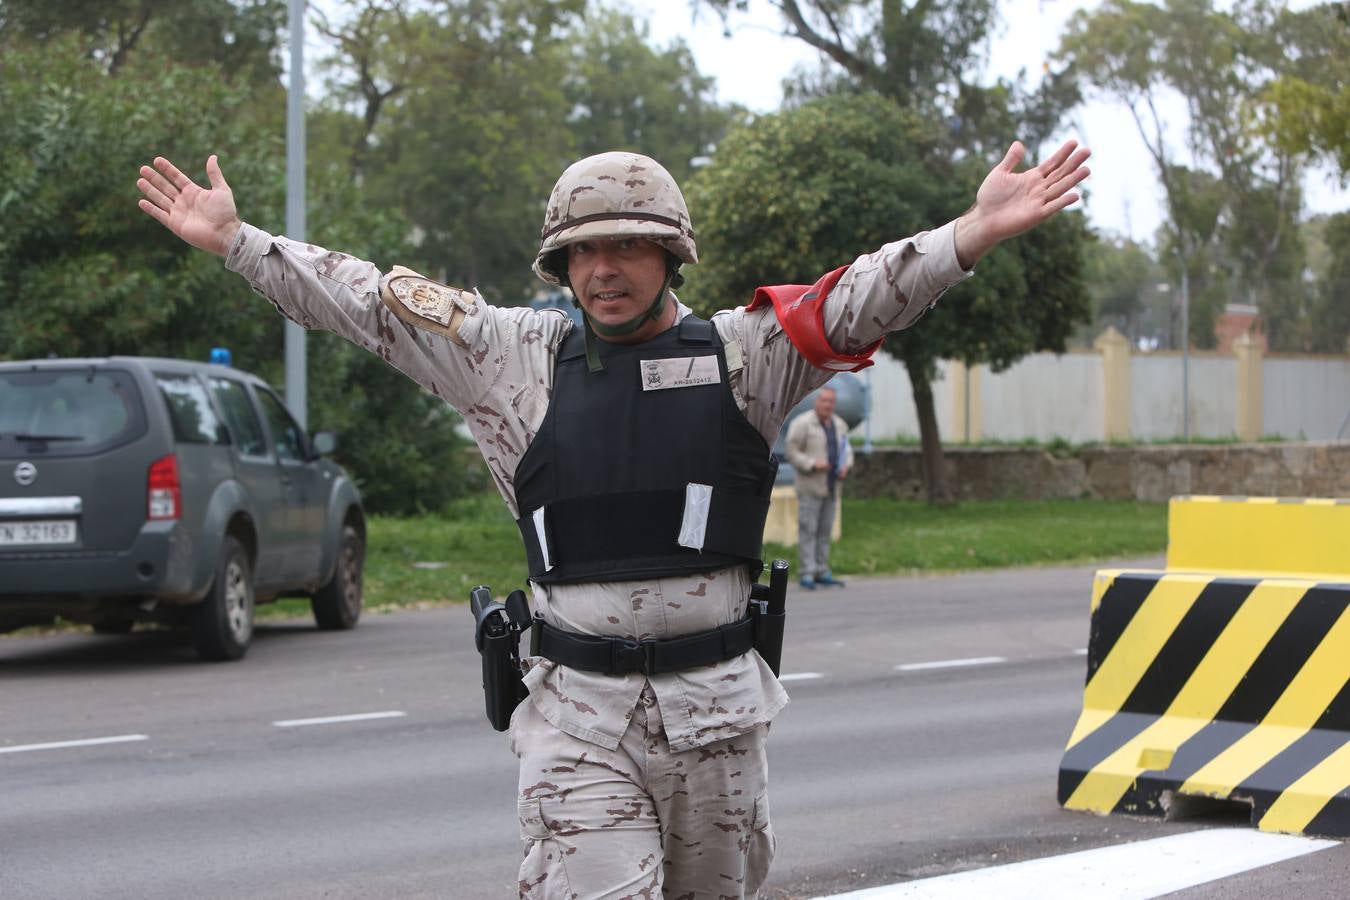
(497, 628)
(768, 610)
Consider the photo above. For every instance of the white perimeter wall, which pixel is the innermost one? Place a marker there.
(1155, 395)
(1306, 397)
(1044, 396)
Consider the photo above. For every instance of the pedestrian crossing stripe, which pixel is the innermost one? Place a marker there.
(1220, 687)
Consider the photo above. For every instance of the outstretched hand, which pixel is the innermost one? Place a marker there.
(1011, 202)
(206, 219)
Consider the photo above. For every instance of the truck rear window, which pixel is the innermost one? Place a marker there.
(194, 422)
(67, 412)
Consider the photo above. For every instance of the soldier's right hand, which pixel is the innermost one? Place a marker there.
(206, 219)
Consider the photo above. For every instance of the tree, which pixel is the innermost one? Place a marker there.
(466, 113)
(804, 191)
(366, 65)
(241, 35)
(1305, 109)
(471, 141)
(1122, 278)
(1233, 211)
(73, 249)
(626, 94)
(1312, 312)
(1332, 314)
(86, 274)
(924, 57)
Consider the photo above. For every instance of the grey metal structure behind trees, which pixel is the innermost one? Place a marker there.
(296, 387)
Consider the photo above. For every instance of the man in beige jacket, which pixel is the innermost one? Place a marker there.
(817, 447)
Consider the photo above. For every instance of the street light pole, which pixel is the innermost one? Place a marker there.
(1185, 353)
(296, 388)
(867, 412)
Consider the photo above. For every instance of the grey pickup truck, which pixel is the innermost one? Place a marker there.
(135, 489)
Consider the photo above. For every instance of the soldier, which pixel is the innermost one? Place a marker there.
(817, 447)
(642, 765)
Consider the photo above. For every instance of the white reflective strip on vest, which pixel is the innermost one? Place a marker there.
(541, 535)
(697, 500)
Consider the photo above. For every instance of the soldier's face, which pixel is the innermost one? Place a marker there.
(616, 280)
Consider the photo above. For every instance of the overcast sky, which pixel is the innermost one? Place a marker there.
(1124, 195)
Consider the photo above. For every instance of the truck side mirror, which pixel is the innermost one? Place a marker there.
(325, 443)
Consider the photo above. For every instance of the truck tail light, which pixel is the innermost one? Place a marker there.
(163, 495)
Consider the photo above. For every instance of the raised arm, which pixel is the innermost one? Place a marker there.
(836, 323)
(205, 218)
(318, 288)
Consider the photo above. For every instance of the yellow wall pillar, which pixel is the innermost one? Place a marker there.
(966, 405)
(1115, 350)
(1250, 387)
(781, 526)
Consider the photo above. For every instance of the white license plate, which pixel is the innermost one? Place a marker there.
(42, 531)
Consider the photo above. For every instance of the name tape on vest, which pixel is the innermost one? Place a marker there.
(686, 371)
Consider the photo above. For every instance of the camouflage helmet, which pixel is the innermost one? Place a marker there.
(613, 195)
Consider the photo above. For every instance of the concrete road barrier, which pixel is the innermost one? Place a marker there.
(1203, 684)
(1260, 536)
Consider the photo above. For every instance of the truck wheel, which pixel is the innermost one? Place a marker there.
(222, 623)
(337, 605)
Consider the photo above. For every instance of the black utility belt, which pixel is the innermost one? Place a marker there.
(498, 626)
(622, 656)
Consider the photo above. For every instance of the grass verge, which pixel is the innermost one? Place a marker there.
(887, 537)
(477, 543)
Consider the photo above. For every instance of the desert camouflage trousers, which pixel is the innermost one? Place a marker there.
(640, 821)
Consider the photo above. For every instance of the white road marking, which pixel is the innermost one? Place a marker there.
(1081, 651)
(1136, 871)
(800, 676)
(86, 742)
(950, 663)
(329, 720)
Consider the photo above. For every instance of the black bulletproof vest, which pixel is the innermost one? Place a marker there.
(612, 464)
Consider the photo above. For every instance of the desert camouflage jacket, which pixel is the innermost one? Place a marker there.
(500, 382)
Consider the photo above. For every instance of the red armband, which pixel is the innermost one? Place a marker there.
(801, 311)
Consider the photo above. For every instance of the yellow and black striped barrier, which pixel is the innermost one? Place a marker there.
(1219, 686)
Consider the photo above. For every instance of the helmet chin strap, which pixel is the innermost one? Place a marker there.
(594, 328)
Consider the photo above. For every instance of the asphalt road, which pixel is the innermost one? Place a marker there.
(879, 775)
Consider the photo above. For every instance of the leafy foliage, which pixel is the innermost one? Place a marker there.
(1122, 279)
(923, 58)
(1305, 109)
(241, 36)
(442, 127)
(625, 94)
(84, 273)
(1265, 94)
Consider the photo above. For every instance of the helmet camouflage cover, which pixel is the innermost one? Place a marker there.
(614, 195)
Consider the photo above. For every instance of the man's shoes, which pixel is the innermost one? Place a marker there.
(828, 580)
(807, 583)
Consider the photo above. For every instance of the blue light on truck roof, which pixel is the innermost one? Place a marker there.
(221, 356)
